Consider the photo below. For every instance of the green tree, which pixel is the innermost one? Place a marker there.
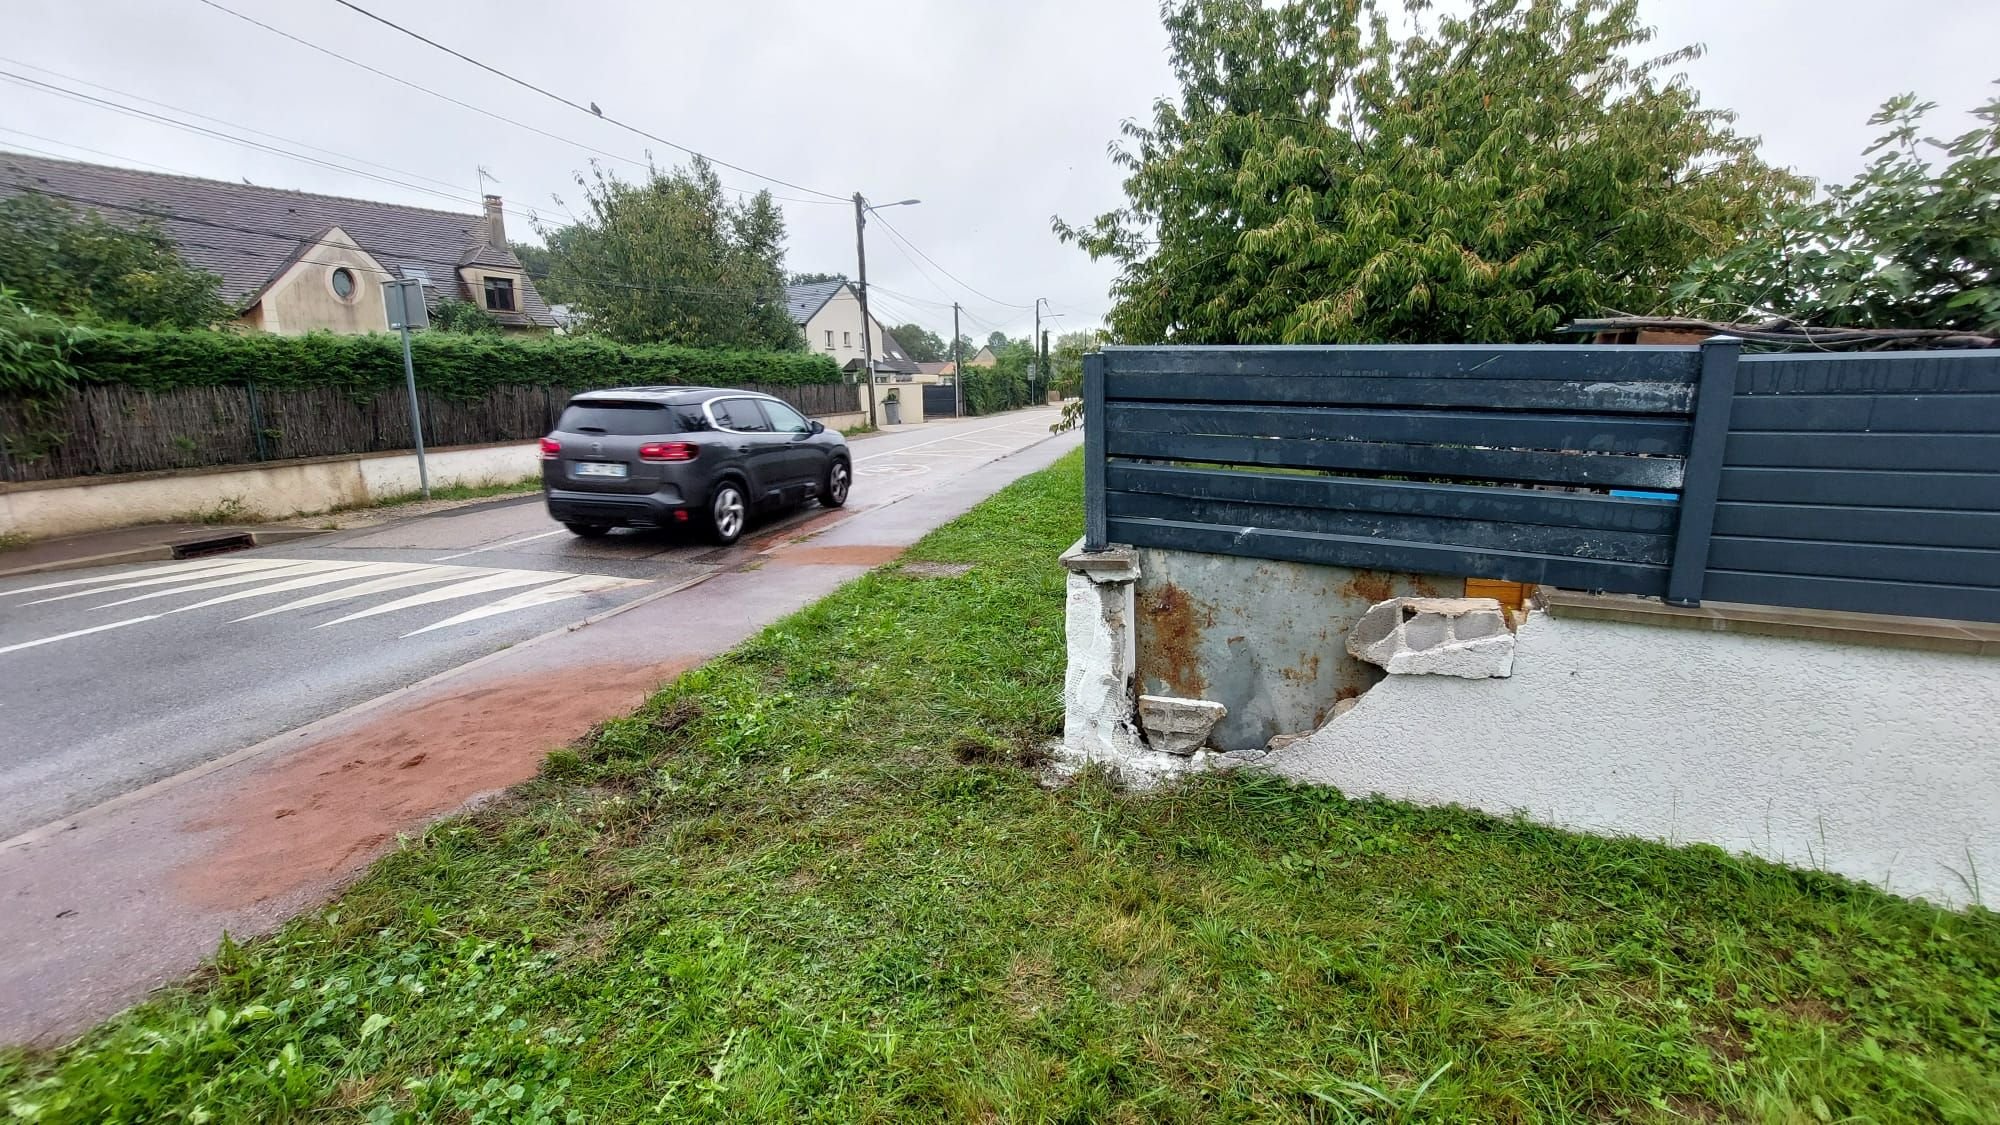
(996, 341)
(924, 345)
(1913, 241)
(671, 260)
(464, 317)
(810, 278)
(1480, 177)
(80, 265)
(541, 264)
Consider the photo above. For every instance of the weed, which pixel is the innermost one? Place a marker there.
(14, 540)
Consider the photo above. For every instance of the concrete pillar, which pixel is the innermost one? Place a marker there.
(1098, 623)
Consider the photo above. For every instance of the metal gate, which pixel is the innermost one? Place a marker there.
(940, 401)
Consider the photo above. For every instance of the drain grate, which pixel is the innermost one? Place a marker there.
(197, 548)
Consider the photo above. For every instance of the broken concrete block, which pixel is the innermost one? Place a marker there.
(1178, 726)
(1464, 637)
(1343, 706)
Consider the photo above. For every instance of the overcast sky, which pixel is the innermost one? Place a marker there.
(995, 114)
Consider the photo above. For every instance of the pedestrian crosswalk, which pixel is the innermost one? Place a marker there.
(362, 589)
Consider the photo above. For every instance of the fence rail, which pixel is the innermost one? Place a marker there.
(1858, 482)
(104, 429)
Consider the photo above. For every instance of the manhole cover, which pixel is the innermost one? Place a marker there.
(215, 545)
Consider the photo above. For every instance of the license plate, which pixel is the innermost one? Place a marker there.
(598, 469)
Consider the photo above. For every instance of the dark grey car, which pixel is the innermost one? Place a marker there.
(661, 456)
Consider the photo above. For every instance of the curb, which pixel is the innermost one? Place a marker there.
(155, 552)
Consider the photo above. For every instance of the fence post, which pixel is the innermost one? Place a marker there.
(256, 421)
(1702, 475)
(1096, 527)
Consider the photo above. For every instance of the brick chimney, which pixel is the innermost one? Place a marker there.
(496, 224)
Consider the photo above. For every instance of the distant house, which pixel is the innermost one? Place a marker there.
(829, 313)
(294, 262)
(945, 373)
(984, 358)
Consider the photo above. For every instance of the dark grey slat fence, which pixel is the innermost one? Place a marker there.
(1867, 482)
(104, 429)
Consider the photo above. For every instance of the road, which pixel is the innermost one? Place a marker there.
(192, 747)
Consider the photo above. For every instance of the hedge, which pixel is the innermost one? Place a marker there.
(990, 390)
(449, 364)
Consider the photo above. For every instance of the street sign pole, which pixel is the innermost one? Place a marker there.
(405, 298)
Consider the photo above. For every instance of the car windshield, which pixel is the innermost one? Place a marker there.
(621, 419)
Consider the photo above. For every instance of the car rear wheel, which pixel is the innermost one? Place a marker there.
(834, 487)
(588, 530)
(728, 511)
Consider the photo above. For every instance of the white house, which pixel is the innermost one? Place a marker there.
(829, 313)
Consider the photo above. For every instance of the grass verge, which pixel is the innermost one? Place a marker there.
(812, 881)
(460, 492)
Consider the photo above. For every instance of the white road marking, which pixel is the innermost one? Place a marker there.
(543, 595)
(181, 568)
(933, 441)
(417, 575)
(498, 546)
(347, 574)
(348, 578)
(233, 580)
(500, 580)
(78, 633)
(199, 572)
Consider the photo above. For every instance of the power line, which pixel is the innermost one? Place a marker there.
(203, 130)
(933, 261)
(221, 121)
(295, 239)
(590, 109)
(481, 110)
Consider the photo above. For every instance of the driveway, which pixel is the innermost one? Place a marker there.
(192, 747)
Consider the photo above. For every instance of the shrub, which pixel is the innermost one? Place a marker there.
(457, 365)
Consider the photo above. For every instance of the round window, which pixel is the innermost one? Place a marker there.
(343, 284)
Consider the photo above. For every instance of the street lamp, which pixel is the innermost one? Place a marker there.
(861, 209)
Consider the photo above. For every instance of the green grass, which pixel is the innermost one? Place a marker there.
(14, 540)
(461, 492)
(813, 881)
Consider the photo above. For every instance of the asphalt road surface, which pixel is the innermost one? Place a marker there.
(117, 677)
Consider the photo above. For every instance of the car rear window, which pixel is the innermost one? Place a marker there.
(622, 419)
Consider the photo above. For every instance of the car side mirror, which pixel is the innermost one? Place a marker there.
(818, 426)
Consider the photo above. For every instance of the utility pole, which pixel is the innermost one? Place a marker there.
(867, 345)
(1035, 359)
(957, 366)
(1048, 374)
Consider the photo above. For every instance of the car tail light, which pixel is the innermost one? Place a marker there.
(551, 449)
(669, 451)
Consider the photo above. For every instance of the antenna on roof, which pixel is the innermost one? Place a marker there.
(485, 175)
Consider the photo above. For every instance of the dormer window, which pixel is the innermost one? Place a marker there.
(500, 294)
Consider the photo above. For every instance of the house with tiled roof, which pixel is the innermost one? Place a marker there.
(294, 261)
(829, 313)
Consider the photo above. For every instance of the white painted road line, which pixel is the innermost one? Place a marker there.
(347, 579)
(78, 633)
(933, 441)
(498, 546)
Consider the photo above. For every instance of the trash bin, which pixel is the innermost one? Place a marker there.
(892, 411)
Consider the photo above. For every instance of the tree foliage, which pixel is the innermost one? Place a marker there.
(811, 278)
(464, 317)
(1913, 241)
(924, 345)
(77, 264)
(672, 261)
(1323, 177)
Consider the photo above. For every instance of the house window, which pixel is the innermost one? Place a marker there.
(847, 339)
(829, 337)
(343, 283)
(500, 294)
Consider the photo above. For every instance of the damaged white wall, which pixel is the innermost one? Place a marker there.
(1878, 763)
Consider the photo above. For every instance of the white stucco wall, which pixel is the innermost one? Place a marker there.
(842, 314)
(272, 491)
(1882, 764)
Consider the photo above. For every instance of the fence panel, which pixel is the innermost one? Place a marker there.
(1443, 456)
(102, 429)
(1866, 482)
(1854, 482)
